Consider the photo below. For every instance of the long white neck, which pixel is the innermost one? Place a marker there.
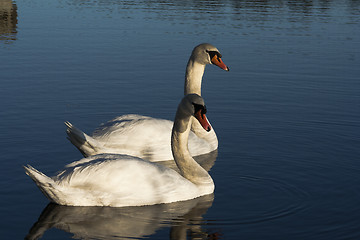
(188, 167)
(193, 81)
(193, 77)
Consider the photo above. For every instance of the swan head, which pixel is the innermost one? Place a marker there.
(206, 53)
(194, 105)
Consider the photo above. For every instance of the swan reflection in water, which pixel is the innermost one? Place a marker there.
(206, 161)
(130, 222)
(124, 222)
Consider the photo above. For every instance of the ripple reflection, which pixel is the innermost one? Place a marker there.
(123, 223)
(8, 21)
(265, 199)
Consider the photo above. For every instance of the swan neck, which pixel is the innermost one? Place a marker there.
(193, 77)
(188, 167)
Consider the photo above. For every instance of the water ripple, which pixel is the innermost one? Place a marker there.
(266, 199)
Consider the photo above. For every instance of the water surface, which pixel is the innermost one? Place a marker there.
(286, 115)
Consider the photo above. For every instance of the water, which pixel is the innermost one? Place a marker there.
(286, 115)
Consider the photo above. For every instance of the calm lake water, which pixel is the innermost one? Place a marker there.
(286, 115)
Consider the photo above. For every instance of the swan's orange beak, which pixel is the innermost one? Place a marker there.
(218, 62)
(201, 117)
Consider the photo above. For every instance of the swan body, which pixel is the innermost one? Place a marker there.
(122, 180)
(146, 137)
(104, 181)
(140, 136)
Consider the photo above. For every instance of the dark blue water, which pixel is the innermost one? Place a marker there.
(286, 115)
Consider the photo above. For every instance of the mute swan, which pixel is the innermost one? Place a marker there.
(146, 137)
(122, 180)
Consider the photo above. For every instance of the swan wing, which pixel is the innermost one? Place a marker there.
(136, 135)
(121, 180)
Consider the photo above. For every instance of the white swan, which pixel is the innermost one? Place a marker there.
(146, 137)
(122, 180)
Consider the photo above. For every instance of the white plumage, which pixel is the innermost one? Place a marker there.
(123, 180)
(146, 137)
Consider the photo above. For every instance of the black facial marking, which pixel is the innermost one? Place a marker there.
(213, 53)
(200, 107)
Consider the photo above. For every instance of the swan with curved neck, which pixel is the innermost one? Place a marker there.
(202, 55)
(122, 180)
(147, 137)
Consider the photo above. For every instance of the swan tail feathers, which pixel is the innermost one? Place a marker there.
(87, 145)
(46, 184)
